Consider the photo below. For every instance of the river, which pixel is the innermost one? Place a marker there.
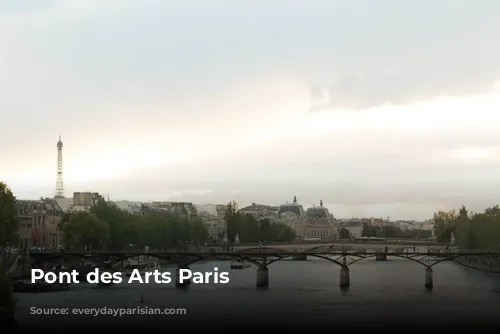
(299, 292)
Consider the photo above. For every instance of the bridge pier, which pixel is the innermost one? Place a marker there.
(185, 282)
(344, 277)
(429, 284)
(262, 276)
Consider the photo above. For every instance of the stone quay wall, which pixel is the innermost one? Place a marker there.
(482, 263)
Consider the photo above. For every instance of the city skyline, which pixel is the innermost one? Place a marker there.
(378, 109)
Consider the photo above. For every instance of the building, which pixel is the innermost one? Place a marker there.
(314, 224)
(213, 217)
(316, 229)
(354, 226)
(318, 212)
(295, 208)
(132, 207)
(207, 209)
(290, 214)
(184, 209)
(81, 201)
(220, 210)
(39, 223)
(216, 227)
(260, 211)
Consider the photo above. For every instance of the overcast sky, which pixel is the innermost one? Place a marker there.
(378, 108)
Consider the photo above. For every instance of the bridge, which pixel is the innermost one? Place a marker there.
(313, 243)
(344, 245)
(263, 257)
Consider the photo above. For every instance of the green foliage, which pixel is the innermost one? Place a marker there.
(8, 215)
(8, 233)
(445, 224)
(391, 231)
(472, 230)
(344, 233)
(234, 221)
(122, 224)
(85, 229)
(108, 227)
(250, 230)
(7, 298)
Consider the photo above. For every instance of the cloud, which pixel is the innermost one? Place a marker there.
(182, 96)
(8, 7)
(408, 52)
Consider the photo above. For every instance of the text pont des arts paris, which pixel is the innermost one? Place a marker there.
(155, 276)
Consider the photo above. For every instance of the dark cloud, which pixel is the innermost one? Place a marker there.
(403, 87)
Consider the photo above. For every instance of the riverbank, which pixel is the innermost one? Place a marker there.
(7, 303)
(484, 263)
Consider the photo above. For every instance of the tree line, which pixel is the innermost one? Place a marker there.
(249, 230)
(472, 230)
(392, 231)
(106, 226)
(8, 228)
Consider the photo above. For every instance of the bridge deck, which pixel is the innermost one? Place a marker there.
(262, 253)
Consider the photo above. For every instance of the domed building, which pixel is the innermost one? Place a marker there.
(318, 212)
(314, 224)
(289, 209)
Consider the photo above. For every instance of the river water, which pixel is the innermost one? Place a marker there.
(299, 292)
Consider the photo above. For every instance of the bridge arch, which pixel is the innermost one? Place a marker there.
(186, 260)
(262, 250)
(313, 255)
(435, 260)
(326, 247)
(217, 257)
(49, 257)
(154, 255)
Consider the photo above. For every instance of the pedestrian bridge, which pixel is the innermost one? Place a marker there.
(263, 257)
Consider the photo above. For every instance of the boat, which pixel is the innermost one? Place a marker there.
(23, 286)
(105, 284)
(53, 287)
(142, 268)
(27, 287)
(240, 264)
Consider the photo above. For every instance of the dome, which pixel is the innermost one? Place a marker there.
(318, 211)
(294, 208)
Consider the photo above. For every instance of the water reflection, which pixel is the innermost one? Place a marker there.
(298, 290)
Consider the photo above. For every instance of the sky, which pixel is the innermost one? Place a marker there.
(382, 108)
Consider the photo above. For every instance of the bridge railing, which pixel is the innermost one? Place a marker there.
(271, 250)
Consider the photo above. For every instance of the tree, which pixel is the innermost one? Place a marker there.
(199, 232)
(7, 299)
(250, 231)
(122, 225)
(472, 230)
(283, 233)
(85, 229)
(344, 233)
(444, 224)
(8, 229)
(8, 215)
(233, 220)
(154, 232)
